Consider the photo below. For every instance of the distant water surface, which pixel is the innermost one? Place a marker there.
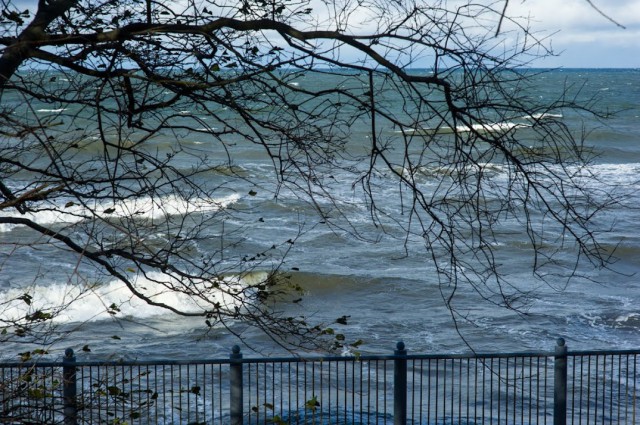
(388, 293)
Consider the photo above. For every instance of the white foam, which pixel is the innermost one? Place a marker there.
(630, 316)
(619, 175)
(483, 128)
(87, 303)
(542, 116)
(67, 215)
(146, 207)
(167, 206)
(500, 127)
(51, 110)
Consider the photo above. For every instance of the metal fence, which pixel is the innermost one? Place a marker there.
(519, 388)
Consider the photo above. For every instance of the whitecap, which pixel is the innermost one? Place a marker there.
(626, 317)
(51, 110)
(146, 207)
(98, 302)
(500, 127)
(542, 116)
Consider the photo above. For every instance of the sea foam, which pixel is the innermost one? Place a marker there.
(86, 303)
(144, 207)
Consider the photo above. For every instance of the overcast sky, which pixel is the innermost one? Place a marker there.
(582, 37)
(585, 38)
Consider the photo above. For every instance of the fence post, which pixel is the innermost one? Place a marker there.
(560, 384)
(400, 385)
(69, 389)
(235, 378)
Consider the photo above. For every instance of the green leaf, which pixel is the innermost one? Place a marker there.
(312, 404)
(36, 393)
(38, 316)
(277, 420)
(252, 193)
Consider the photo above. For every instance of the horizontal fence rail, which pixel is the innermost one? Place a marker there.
(556, 387)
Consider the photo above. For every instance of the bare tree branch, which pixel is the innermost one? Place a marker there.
(131, 124)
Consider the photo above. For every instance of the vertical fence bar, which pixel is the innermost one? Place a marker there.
(69, 391)
(560, 384)
(235, 378)
(400, 385)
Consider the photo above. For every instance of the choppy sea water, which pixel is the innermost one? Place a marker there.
(387, 289)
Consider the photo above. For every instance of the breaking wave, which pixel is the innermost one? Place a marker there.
(501, 127)
(86, 303)
(146, 207)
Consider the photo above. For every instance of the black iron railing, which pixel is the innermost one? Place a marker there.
(556, 387)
